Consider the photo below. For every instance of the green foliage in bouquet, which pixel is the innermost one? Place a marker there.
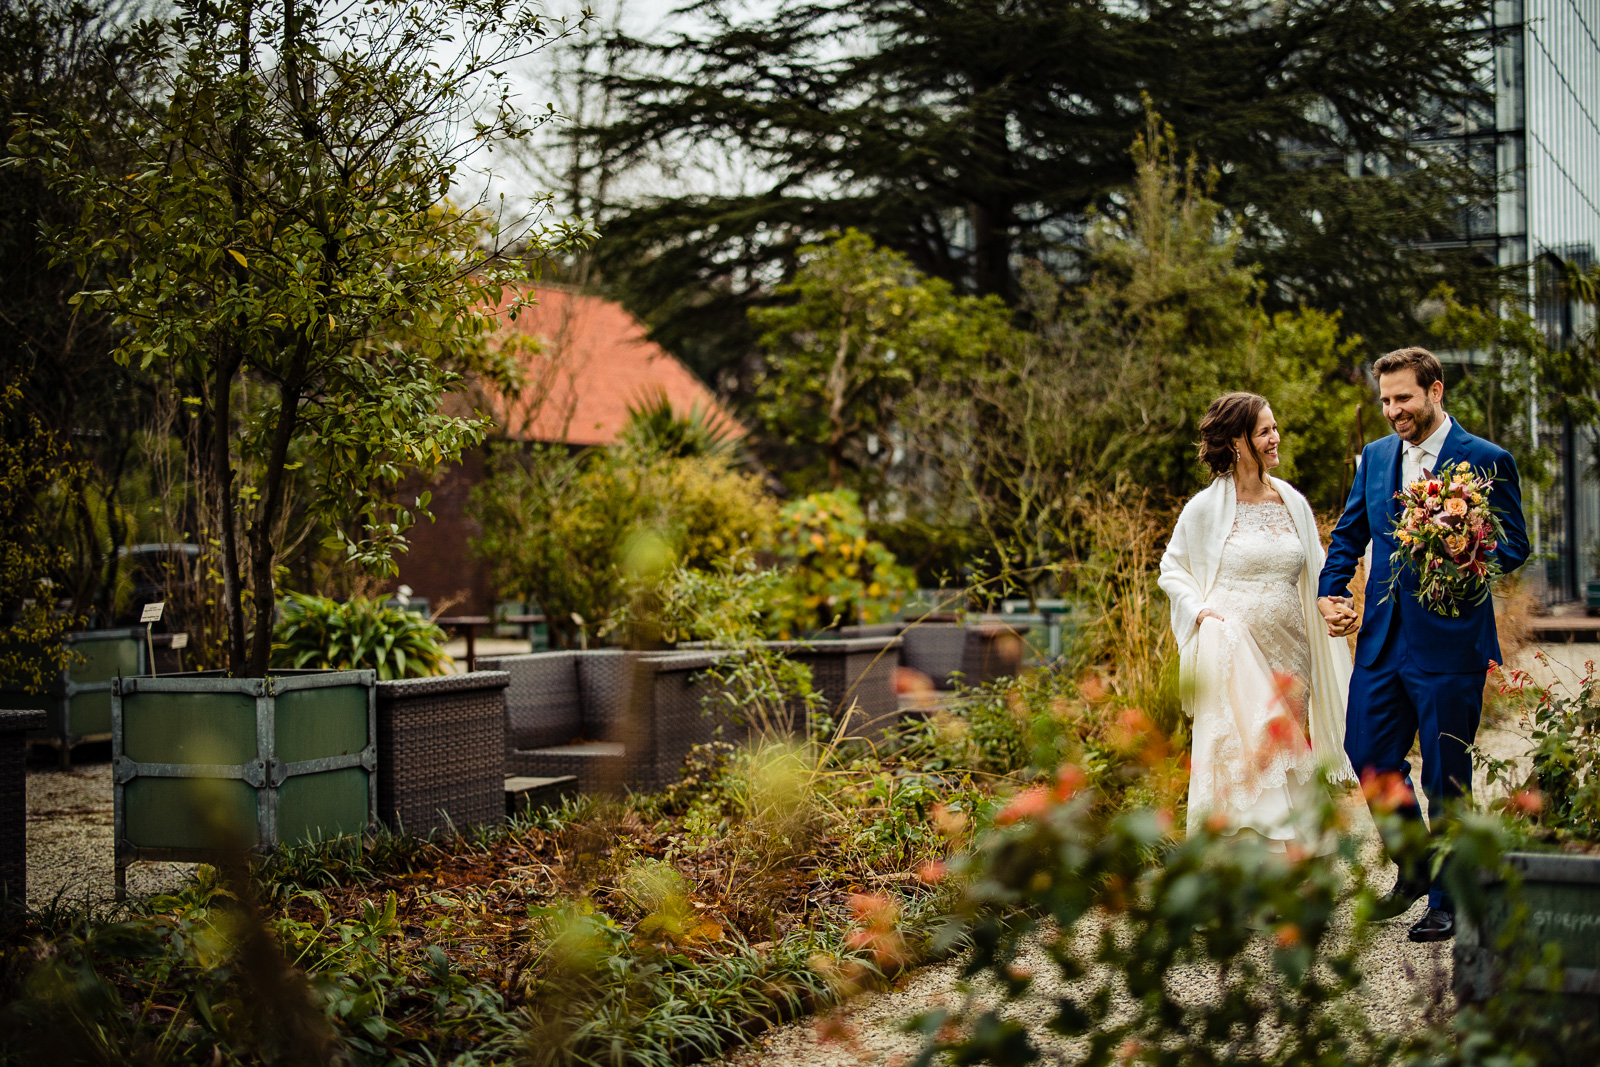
(358, 634)
(836, 574)
(1447, 535)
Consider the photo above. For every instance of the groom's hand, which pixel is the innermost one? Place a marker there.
(1339, 614)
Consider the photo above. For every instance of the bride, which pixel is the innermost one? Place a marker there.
(1260, 676)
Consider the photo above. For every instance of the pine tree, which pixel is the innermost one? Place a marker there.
(969, 135)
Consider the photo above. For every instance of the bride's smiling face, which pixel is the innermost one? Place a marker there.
(1265, 438)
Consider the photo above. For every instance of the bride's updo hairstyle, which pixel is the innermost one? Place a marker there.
(1230, 417)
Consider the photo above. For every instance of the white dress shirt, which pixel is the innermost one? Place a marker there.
(1418, 460)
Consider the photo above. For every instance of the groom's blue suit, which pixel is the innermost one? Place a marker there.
(1417, 673)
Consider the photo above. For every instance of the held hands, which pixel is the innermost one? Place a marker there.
(1339, 614)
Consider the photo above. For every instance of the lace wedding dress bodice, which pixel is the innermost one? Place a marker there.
(1258, 583)
(1251, 762)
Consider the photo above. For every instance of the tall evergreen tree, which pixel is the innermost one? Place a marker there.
(969, 134)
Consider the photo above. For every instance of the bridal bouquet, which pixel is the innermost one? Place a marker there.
(1447, 534)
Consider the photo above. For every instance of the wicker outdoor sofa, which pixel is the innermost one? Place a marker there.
(612, 718)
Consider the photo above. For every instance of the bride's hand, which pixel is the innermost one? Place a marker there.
(1207, 613)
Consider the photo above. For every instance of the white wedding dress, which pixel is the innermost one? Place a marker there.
(1252, 764)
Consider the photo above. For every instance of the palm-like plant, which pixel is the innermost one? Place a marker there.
(317, 632)
(655, 427)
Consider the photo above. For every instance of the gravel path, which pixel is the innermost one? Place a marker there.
(70, 835)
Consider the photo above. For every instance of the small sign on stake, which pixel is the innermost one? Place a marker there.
(180, 641)
(151, 614)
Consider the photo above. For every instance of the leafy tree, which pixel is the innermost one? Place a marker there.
(1110, 386)
(969, 136)
(863, 330)
(285, 252)
(61, 61)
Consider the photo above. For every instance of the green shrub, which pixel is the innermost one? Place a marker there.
(320, 632)
(589, 534)
(833, 572)
(1559, 800)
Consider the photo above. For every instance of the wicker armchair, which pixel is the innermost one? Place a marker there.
(439, 746)
(851, 673)
(979, 653)
(614, 719)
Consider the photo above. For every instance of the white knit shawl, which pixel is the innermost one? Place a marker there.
(1189, 574)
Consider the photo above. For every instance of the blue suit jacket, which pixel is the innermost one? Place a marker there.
(1439, 645)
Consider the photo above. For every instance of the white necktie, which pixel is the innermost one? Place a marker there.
(1415, 457)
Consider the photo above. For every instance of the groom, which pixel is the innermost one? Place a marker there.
(1416, 672)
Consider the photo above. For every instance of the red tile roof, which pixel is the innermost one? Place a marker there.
(591, 360)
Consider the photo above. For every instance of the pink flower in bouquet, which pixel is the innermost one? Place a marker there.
(1455, 544)
(1456, 506)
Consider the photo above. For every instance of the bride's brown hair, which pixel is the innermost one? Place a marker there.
(1230, 416)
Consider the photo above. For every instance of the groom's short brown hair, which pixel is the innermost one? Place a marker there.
(1424, 364)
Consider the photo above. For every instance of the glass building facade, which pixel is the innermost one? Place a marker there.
(1541, 139)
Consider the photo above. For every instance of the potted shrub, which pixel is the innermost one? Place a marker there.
(1556, 875)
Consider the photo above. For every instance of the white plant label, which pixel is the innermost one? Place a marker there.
(152, 612)
(180, 641)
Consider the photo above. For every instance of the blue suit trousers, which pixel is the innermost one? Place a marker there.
(1392, 702)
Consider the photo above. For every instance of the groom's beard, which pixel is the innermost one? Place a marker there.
(1419, 430)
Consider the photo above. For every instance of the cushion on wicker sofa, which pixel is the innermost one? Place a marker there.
(544, 705)
(605, 683)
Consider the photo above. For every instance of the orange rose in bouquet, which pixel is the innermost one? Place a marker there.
(1447, 535)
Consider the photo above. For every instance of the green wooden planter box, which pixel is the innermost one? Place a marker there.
(1562, 895)
(78, 702)
(203, 764)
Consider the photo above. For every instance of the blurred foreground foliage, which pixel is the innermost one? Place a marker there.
(1215, 950)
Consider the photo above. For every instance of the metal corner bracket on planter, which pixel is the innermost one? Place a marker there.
(204, 766)
(78, 700)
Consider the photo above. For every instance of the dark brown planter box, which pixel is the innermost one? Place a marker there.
(14, 727)
(1562, 894)
(441, 742)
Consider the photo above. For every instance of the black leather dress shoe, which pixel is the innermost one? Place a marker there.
(1398, 900)
(1436, 925)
